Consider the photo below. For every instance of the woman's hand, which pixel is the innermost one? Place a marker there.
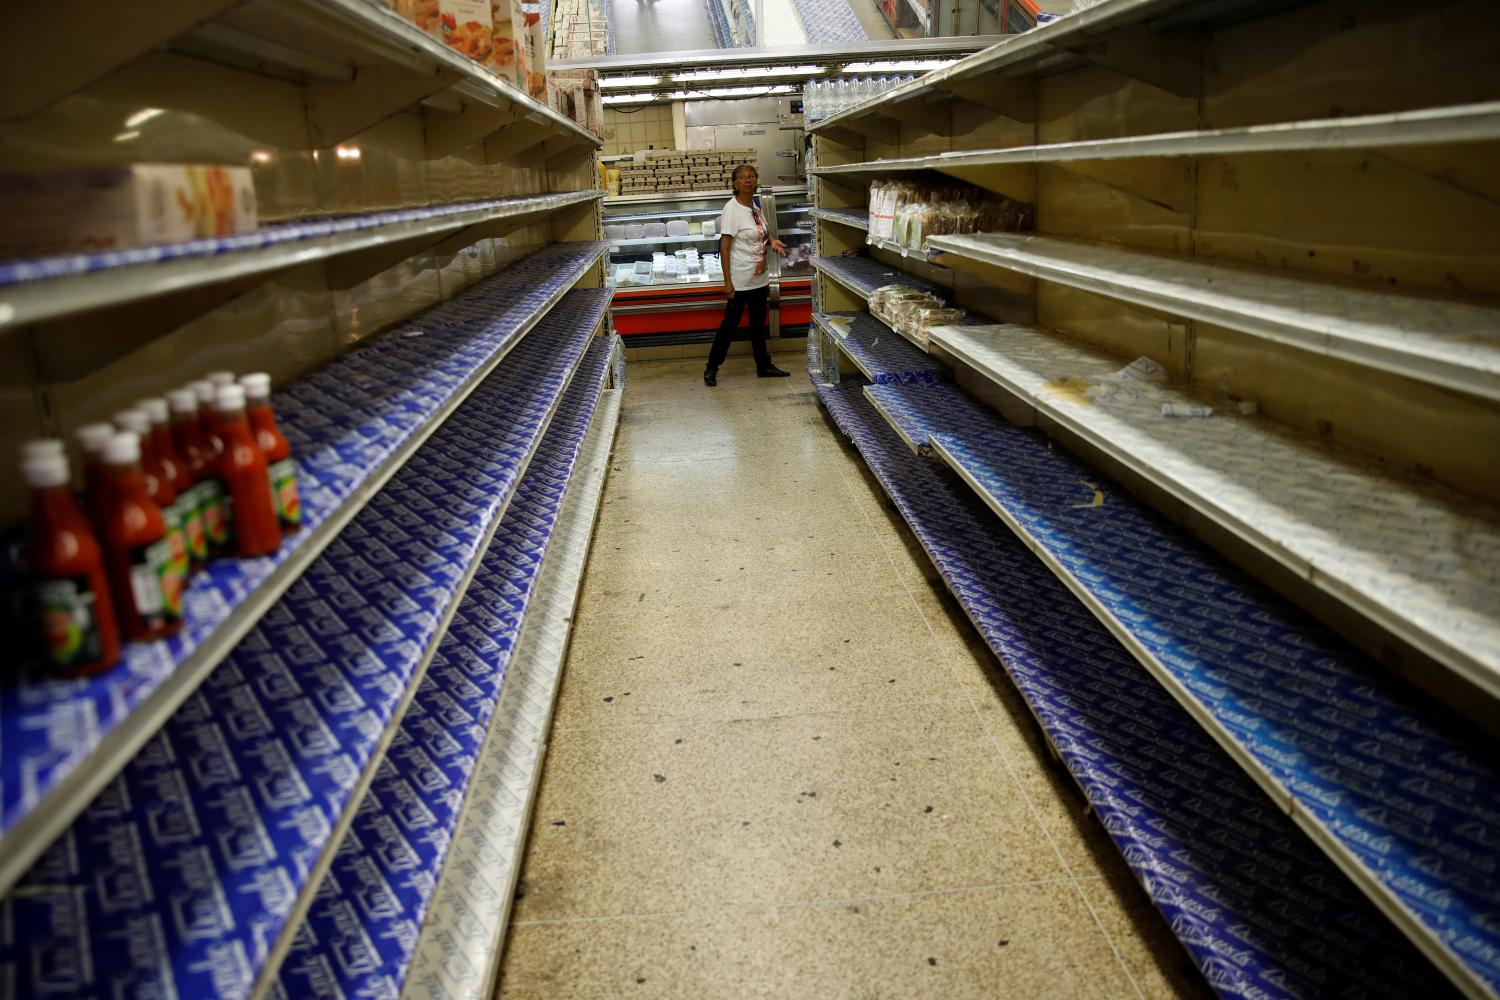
(779, 247)
(728, 289)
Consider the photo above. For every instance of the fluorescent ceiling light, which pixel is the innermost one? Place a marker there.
(616, 82)
(142, 116)
(745, 73)
(130, 136)
(629, 98)
(897, 65)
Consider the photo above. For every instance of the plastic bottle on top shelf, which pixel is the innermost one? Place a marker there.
(203, 466)
(176, 469)
(136, 548)
(246, 477)
(273, 444)
(163, 492)
(75, 615)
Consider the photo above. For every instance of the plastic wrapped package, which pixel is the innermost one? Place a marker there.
(635, 231)
(916, 324)
(655, 230)
(695, 228)
(615, 232)
(677, 227)
(711, 228)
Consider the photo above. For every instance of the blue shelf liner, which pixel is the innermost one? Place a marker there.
(343, 423)
(179, 878)
(1414, 804)
(359, 937)
(868, 274)
(1261, 910)
(275, 234)
(882, 352)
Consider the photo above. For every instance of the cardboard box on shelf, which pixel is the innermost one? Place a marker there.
(119, 207)
(531, 40)
(504, 57)
(467, 26)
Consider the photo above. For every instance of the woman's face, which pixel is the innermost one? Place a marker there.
(745, 181)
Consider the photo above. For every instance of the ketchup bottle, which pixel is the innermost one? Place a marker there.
(91, 441)
(205, 389)
(135, 546)
(278, 453)
(243, 469)
(176, 469)
(67, 568)
(163, 493)
(203, 465)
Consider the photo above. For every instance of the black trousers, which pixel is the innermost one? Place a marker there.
(755, 299)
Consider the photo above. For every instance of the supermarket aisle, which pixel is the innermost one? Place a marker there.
(649, 26)
(781, 765)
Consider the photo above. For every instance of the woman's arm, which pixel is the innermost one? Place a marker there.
(726, 244)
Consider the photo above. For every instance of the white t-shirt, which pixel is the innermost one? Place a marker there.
(751, 245)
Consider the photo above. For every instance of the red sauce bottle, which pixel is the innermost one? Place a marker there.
(67, 569)
(205, 389)
(203, 464)
(176, 469)
(135, 546)
(162, 493)
(246, 477)
(273, 444)
(91, 441)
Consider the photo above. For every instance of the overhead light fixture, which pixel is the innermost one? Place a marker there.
(640, 98)
(617, 82)
(347, 152)
(130, 136)
(260, 156)
(897, 65)
(142, 116)
(745, 73)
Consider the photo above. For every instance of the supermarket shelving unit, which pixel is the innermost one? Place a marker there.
(1216, 188)
(428, 289)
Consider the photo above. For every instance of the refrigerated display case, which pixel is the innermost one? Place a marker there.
(678, 301)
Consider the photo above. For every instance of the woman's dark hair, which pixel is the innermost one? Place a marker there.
(744, 166)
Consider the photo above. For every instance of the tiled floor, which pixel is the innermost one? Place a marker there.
(782, 763)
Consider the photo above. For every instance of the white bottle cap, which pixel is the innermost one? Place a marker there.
(43, 472)
(183, 400)
(205, 390)
(229, 398)
(42, 447)
(93, 437)
(123, 449)
(156, 409)
(257, 385)
(220, 378)
(134, 421)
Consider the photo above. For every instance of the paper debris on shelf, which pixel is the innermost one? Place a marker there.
(839, 325)
(1186, 410)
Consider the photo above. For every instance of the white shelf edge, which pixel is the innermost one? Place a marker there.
(1117, 283)
(1461, 123)
(39, 828)
(509, 747)
(1459, 974)
(1443, 652)
(52, 298)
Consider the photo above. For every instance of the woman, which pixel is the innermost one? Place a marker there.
(742, 250)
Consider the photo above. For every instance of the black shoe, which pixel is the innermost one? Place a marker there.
(771, 371)
(710, 376)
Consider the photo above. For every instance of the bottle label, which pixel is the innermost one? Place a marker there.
(152, 586)
(190, 506)
(284, 492)
(70, 622)
(175, 571)
(216, 516)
